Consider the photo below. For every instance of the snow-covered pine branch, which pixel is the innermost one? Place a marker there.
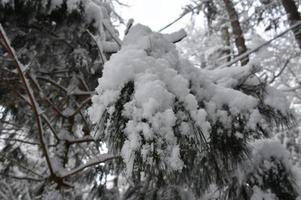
(164, 115)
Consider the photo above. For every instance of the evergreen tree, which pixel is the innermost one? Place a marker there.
(158, 124)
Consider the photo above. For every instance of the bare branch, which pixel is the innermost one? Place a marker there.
(28, 89)
(101, 159)
(54, 83)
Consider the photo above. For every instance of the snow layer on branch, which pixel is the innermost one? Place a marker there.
(265, 149)
(163, 80)
(268, 157)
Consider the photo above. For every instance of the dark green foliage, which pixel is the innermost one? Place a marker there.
(206, 160)
(275, 177)
(147, 192)
(115, 129)
(271, 175)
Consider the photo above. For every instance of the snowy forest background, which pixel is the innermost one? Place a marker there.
(205, 113)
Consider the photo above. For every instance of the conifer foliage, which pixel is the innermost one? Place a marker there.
(86, 115)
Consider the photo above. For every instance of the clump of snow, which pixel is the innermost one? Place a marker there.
(254, 119)
(276, 99)
(265, 149)
(162, 80)
(150, 61)
(266, 153)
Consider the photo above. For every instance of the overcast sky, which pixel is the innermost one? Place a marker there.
(155, 13)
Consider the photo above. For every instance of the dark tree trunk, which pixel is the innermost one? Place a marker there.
(293, 17)
(226, 38)
(237, 31)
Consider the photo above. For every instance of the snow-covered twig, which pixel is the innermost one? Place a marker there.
(129, 24)
(34, 104)
(176, 36)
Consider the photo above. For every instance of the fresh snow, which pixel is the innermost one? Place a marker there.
(162, 78)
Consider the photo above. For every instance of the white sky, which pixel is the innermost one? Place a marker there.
(155, 13)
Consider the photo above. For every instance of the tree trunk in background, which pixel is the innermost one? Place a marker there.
(237, 31)
(293, 17)
(226, 38)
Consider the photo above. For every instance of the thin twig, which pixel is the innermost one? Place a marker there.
(281, 71)
(80, 106)
(43, 96)
(185, 12)
(103, 158)
(52, 82)
(19, 140)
